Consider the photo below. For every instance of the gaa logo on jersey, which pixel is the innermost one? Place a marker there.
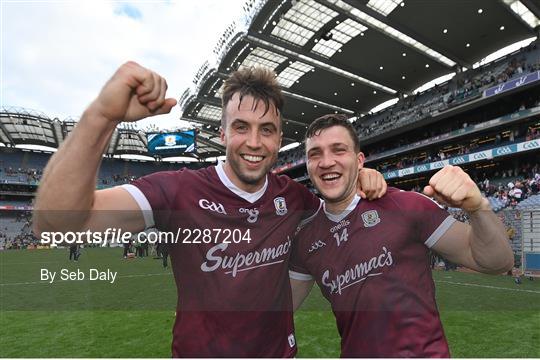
(371, 218)
(170, 140)
(281, 206)
(212, 206)
(316, 245)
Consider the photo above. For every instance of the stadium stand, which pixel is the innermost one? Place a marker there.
(462, 88)
(15, 230)
(532, 202)
(393, 117)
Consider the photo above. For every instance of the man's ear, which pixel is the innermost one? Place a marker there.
(361, 159)
(222, 135)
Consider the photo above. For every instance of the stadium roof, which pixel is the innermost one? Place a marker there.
(349, 56)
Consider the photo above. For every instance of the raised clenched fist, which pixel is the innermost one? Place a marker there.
(133, 93)
(454, 187)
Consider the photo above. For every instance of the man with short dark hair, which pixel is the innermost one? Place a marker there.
(371, 259)
(235, 220)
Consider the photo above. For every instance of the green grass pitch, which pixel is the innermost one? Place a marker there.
(483, 316)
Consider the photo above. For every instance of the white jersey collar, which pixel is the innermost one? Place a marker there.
(250, 197)
(344, 213)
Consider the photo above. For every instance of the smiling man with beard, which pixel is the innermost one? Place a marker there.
(371, 259)
(236, 219)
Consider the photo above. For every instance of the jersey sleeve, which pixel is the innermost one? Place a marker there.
(154, 193)
(429, 219)
(311, 203)
(297, 268)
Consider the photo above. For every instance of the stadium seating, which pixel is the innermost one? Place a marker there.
(496, 203)
(463, 87)
(21, 167)
(15, 229)
(529, 203)
(512, 219)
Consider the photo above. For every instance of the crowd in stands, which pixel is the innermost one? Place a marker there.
(117, 179)
(462, 87)
(522, 183)
(23, 167)
(506, 188)
(426, 156)
(418, 106)
(16, 231)
(446, 128)
(33, 176)
(22, 175)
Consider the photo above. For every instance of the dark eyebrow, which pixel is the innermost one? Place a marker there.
(235, 121)
(269, 124)
(339, 144)
(314, 149)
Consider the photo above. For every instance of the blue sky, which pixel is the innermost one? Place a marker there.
(56, 55)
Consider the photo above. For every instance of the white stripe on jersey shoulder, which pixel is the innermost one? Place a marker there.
(250, 197)
(338, 217)
(439, 232)
(309, 219)
(143, 203)
(295, 275)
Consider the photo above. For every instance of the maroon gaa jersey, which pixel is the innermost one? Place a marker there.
(230, 259)
(371, 262)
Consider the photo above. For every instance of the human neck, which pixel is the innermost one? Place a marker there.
(337, 207)
(250, 188)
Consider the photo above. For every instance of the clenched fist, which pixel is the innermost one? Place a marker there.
(454, 187)
(133, 93)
